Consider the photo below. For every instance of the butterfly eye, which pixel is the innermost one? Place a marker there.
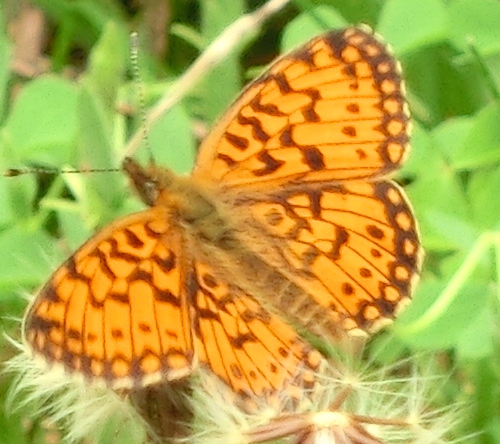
(149, 192)
(143, 180)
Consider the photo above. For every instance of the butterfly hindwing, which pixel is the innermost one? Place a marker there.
(351, 247)
(250, 349)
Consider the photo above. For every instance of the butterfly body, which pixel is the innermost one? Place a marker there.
(287, 218)
(245, 253)
(187, 203)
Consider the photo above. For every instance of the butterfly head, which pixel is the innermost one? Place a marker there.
(185, 198)
(148, 182)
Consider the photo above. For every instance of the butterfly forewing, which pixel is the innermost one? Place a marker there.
(332, 110)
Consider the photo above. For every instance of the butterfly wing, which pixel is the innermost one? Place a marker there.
(115, 311)
(247, 347)
(353, 248)
(332, 110)
(301, 158)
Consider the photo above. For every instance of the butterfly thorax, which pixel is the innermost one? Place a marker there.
(187, 202)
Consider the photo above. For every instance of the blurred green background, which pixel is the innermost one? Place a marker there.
(68, 100)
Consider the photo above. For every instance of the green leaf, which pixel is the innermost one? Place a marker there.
(221, 86)
(450, 135)
(475, 340)
(410, 24)
(29, 252)
(421, 155)
(309, 24)
(42, 126)
(484, 198)
(475, 22)
(172, 142)
(481, 147)
(100, 194)
(76, 225)
(448, 328)
(439, 199)
(16, 198)
(107, 64)
(445, 88)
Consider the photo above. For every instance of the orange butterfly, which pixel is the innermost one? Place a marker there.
(288, 216)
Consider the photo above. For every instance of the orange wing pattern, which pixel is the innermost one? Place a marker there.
(352, 247)
(122, 309)
(332, 110)
(291, 187)
(115, 311)
(305, 151)
(254, 352)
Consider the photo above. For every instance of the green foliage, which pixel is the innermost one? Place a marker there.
(450, 53)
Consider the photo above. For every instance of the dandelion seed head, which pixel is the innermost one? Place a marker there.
(83, 411)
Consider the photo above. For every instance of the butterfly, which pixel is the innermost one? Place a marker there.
(287, 220)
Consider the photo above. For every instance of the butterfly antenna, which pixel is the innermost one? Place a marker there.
(134, 59)
(14, 172)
